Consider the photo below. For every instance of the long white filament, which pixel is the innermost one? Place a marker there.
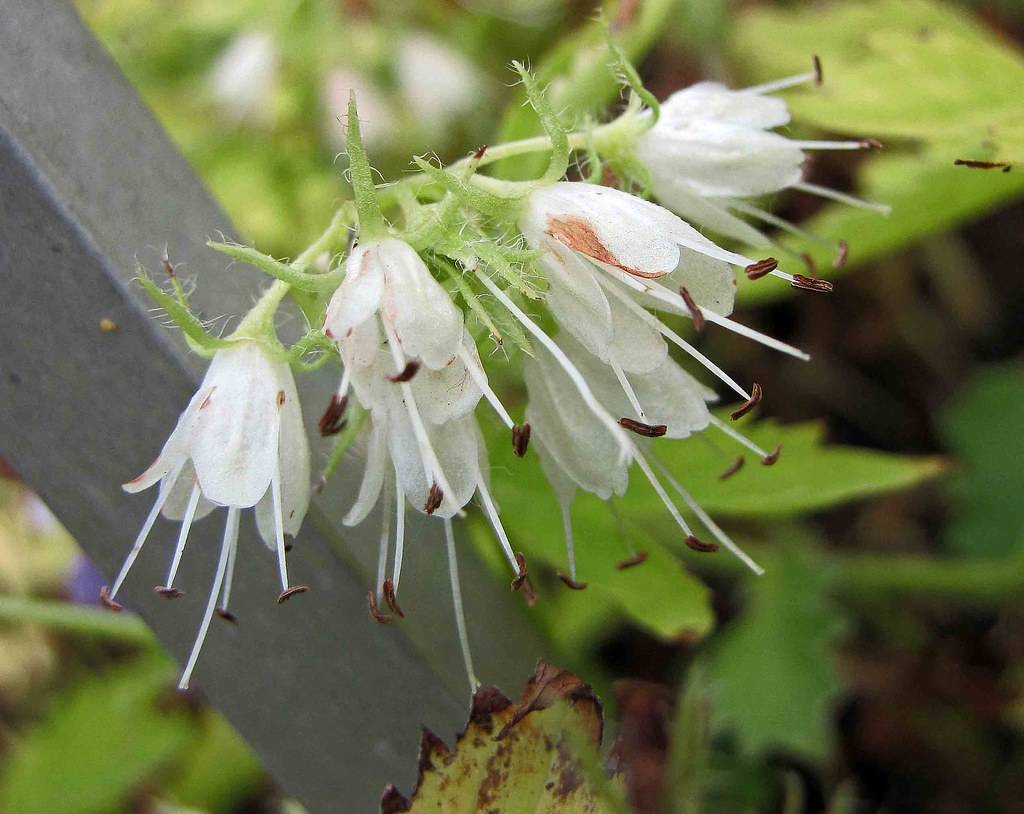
(574, 375)
(660, 490)
(232, 555)
(480, 378)
(385, 535)
(396, 568)
(671, 335)
(431, 464)
(275, 497)
(706, 519)
(460, 615)
(230, 537)
(147, 527)
(737, 436)
(627, 388)
(492, 515)
(782, 84)
(570, 545)
(830, 145)
(186, 524)
(841, 197)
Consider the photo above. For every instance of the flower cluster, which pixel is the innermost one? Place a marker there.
(605, 393)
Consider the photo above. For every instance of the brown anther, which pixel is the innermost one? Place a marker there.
(756, 394)
(284, 596)
(376, 614)
(982, 165)
(811, 284)
(871, 144)
(479, 152)
(108, 602)
(819, 74)
(631, 562)
(520, 439)
(288, 547)
(734, 467)
(842, 255)
(755, 271)
(646, 430)
(434, 498)
(406, 374)
(167, 591)
(522, 582)
(165, 261)
(699, 545)
(388, 589)
(227, 615)
(812, 267)
(571, 583)
(695, 312)
(773, 456)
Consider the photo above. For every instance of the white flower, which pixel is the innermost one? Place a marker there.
(438, 84)
(245, 73)
(713, 147)
(240, 443)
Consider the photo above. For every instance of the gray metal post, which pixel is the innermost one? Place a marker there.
(331, 701)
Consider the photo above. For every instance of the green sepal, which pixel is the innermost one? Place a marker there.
(627, 72)
(371, 221)
(313, 341)
(494, 256)
(558, 163)
(295, 277)
(199, 339)
(493, 206)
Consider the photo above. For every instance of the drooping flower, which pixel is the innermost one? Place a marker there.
(713, 148)
(239, 443)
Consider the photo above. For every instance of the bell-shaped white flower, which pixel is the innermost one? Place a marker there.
(240, 443)
(713, 147)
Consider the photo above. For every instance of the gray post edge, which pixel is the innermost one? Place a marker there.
(331, 701)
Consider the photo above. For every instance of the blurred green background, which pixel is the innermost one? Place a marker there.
(879, 665)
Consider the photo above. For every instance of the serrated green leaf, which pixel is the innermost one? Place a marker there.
(986, 433)
(809, 476)
(772, 671)
(101, 741)
(658, 595)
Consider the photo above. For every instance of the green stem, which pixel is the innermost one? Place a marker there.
(78, 620)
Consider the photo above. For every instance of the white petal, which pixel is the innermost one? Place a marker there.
(424, 317)
(359, 296)
(636, 346)
(672, 397)
(294, 458)
(373, 476)
(450, 392)
(459, 451)
(176, 447)
(712, 214)
(235, 438)
(562, 484)
(710, 282)
(360, 347)
(575, 297)
(710, 100)
(180, 492)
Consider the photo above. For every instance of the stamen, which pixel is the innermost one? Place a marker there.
(738, 437)
(570, 544)
(841, 197)
(375, 612)
(627, 388)
(492, 515)
(819, 74)
(333, 420)
(569, 582)
(811, 283)
(406, 374)
(863, 144)
(231, 528)
(389, 597)
(167, 589)
(480, 379)
(460, 615)
(396, 567)
(140, 539)
(786, 82)
(746, 208)
(520, 439)
(431, 465)
(974, 164)
(230, 532)
(734, 467)
(671, 335)
(646, 430)
(385, 534)
(695, 314)
(631, 562)
(773, 457)
(660, 490)
(434, 498)
(755, 271)
(749, 404)
(108, 602)
(699, 545)
(709, 524)
(871, 144)
(287, 591)
(574, 375)
(522, 582)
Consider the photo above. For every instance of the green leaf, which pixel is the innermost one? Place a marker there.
(536, 756)
(985, 430)
(102, 740)
(809, 476)
(659, 595)
(772, 671)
